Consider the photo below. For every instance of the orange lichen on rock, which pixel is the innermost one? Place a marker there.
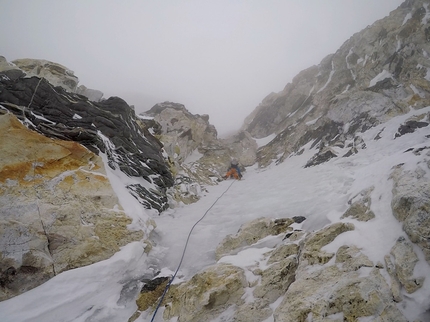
(27, 156)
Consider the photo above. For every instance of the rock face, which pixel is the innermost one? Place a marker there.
(58, 210)
(411, 202)
(376, 74)
(109, 126)
(197, 157)
(182, 132)
(306, 282)
(250, 233)
(211, 291)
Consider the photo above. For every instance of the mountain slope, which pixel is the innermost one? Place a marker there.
(375, 75)
(322, 194)
(336, 229)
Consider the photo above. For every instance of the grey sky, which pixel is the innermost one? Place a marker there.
(219, 57)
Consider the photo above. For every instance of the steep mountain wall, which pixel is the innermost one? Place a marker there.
(58, 210)
(378, 73)
(109, 126)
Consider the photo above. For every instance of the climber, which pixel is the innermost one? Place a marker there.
(233, 171)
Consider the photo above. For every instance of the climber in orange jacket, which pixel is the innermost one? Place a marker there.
(233, 171)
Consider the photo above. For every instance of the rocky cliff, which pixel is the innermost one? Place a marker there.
(109, 126)
(58, 208)
(380, 72)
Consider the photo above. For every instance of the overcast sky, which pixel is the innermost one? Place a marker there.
(218, 57)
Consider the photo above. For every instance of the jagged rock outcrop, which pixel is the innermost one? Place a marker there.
(181, 132)
(54, 73)
(58, 209)
(92, 94)
(376, 74)
(404, 261)
(251, 232)
(197, 156)
(109, 126)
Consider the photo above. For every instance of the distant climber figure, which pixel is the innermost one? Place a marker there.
(233, 171)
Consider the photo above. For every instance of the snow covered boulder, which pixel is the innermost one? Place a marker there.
(251, 233)
(312, 252)
(360, 206)
(404, 260)
(329, 293)
(207, 294)
(344, 289)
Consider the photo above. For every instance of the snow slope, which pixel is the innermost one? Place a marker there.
(106, 291)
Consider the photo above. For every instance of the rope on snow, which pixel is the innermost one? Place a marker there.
(185, 248)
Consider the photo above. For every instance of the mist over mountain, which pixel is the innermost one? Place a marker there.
(331, 221)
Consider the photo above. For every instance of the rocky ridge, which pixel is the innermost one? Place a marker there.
(380, 72)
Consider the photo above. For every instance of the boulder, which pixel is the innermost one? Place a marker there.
(351, 258)
(328, 293)
(360, 206)
(312, 252)
(276, 279)
(206, 294)
(404, 260)
(251, 233)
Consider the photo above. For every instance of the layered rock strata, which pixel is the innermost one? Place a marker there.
(109, 126)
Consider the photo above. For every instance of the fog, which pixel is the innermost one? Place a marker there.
(216, 57)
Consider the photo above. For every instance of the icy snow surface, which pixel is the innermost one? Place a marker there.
(381, 76)
(106, 291)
